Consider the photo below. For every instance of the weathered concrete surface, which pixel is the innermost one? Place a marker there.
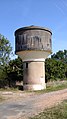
(33, 45)
(22, 107)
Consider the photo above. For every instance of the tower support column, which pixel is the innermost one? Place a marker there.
(34, 75)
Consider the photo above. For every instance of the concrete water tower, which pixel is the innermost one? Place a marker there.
(33, 45)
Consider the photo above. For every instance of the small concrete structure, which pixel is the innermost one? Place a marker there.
(33, 45)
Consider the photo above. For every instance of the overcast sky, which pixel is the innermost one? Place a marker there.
(46, 13)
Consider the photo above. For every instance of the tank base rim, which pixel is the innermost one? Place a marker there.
(34, 86)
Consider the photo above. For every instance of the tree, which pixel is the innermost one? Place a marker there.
(14, 71)
(60, 55)
(5, 50)
(56, 66)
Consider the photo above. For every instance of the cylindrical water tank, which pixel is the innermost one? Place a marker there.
(33, 42)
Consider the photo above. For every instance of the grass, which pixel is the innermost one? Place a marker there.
(57, 112)
(53, 87)
(57, 87)
(9, 89)
(1, 99)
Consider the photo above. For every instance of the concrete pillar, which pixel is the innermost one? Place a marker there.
(34, 75)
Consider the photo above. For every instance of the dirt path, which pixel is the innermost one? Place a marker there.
(24, 105)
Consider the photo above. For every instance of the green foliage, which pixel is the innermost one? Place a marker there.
(56, 66)
(14, 71)
(60, 55)
(5, 50)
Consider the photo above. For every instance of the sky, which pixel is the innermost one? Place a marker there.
(51, 14)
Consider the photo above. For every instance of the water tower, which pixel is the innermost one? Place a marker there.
(33, 45)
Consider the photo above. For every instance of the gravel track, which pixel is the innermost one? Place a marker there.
(21, 105)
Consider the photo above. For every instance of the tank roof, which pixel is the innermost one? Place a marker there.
(32, 27)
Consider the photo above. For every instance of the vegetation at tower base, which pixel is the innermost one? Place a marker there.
(14, 72)
(11, 71)
(56, 66)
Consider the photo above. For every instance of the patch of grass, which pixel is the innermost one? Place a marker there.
(9, 89)
(1, 99)
(53, 88)
(57, 112)
(57, 87)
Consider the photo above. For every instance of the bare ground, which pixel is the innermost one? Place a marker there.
(22, 105)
